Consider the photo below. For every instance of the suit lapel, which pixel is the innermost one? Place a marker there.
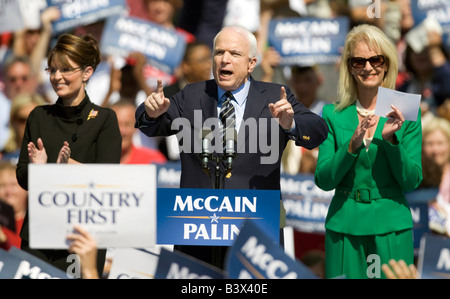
(209, 100)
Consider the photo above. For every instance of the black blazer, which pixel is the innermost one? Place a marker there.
(248, 171)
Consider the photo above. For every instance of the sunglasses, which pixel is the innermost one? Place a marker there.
(359, 62)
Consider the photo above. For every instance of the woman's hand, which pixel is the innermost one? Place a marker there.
(64, 153)
(360, 132)
(392, 125)
(37, 155)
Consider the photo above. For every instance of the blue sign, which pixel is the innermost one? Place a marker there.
(76, 13)
(214, 216)
(308, 41)
(437, 10)
(18, 264)
(306, 204)
(254, 255)
(434, 257)
(163, 48)
(176, 265)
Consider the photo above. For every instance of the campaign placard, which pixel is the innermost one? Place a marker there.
(176, 265)
(256, 256)
(10, 16)
(306, 204)
(308, 41)
(18, 264)
(164, 48)
(76, 13)
(133, 263)
(214, 216)
(115, 203)
(434, 257)
(435, 10)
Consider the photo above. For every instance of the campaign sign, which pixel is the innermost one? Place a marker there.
(306, 204)
(76, 13)
(434, 257)
(176, 265)
(115, 203)
(163, 48)
(18, 264)
(436, 10)
(254, 255)
(131, 263)
(10, 16)
(214, 216)
(308, 41)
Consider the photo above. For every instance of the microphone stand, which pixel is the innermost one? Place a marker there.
(218, 252)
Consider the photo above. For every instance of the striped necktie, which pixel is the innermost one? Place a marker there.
(227, 116)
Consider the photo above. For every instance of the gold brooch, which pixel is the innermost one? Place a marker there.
(92, 114)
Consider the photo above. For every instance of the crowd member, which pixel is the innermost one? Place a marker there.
(233, 62)
(132, 154)
(369, 161)
(73, 130)
(305, 83)
(17, 198)
(128, 83)
(436, 147)
(34, 43)
(20, 77)
(429, 73)
(21, 107)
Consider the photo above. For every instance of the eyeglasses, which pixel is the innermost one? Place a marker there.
(63, 71)
(17, 78)
(359, 62)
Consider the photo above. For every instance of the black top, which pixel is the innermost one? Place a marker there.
(92, 132)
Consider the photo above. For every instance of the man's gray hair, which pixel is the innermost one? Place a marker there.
(247, 34)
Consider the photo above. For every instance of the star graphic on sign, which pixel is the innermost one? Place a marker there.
(214, 218)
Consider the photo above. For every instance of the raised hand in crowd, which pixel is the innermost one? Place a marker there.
(399, 270)
(85, 246)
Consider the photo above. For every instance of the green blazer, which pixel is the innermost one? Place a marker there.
(369, 185)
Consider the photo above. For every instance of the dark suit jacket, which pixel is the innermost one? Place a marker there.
(248, 171)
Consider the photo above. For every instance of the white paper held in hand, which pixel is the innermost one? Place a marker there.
(407, 103)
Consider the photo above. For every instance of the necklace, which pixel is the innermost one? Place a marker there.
(363, 111)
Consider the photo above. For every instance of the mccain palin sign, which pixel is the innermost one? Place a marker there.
(76, 13)
(164, 48)
(214, 216)
(308, 41)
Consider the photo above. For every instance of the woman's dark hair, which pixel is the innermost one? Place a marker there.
(83, 50)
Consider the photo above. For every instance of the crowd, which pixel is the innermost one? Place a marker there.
(123, 83)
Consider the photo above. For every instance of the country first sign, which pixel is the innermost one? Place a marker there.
(214, 216)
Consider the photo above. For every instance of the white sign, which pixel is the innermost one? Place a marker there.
(406, 102)
(131, 263)
(116, 203)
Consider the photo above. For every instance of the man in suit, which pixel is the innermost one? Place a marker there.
(234, 58)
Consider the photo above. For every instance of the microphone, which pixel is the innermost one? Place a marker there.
(230, 141)
(206, 147)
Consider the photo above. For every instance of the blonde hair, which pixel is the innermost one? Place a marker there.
(376, 40)
(437, 124)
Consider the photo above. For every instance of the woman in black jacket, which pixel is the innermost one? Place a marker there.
(73, 130)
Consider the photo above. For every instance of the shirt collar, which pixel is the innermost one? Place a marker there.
(240, 94)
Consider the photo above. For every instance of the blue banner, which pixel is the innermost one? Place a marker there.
(437, 10)
(163, 48)
(434, 257)
(214, 216)
(308, 41)
(76, 13)
(306, 204)
(254, 255)
(18, 264)
(176, 265)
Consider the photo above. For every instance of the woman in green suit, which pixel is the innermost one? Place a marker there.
(369, 161)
